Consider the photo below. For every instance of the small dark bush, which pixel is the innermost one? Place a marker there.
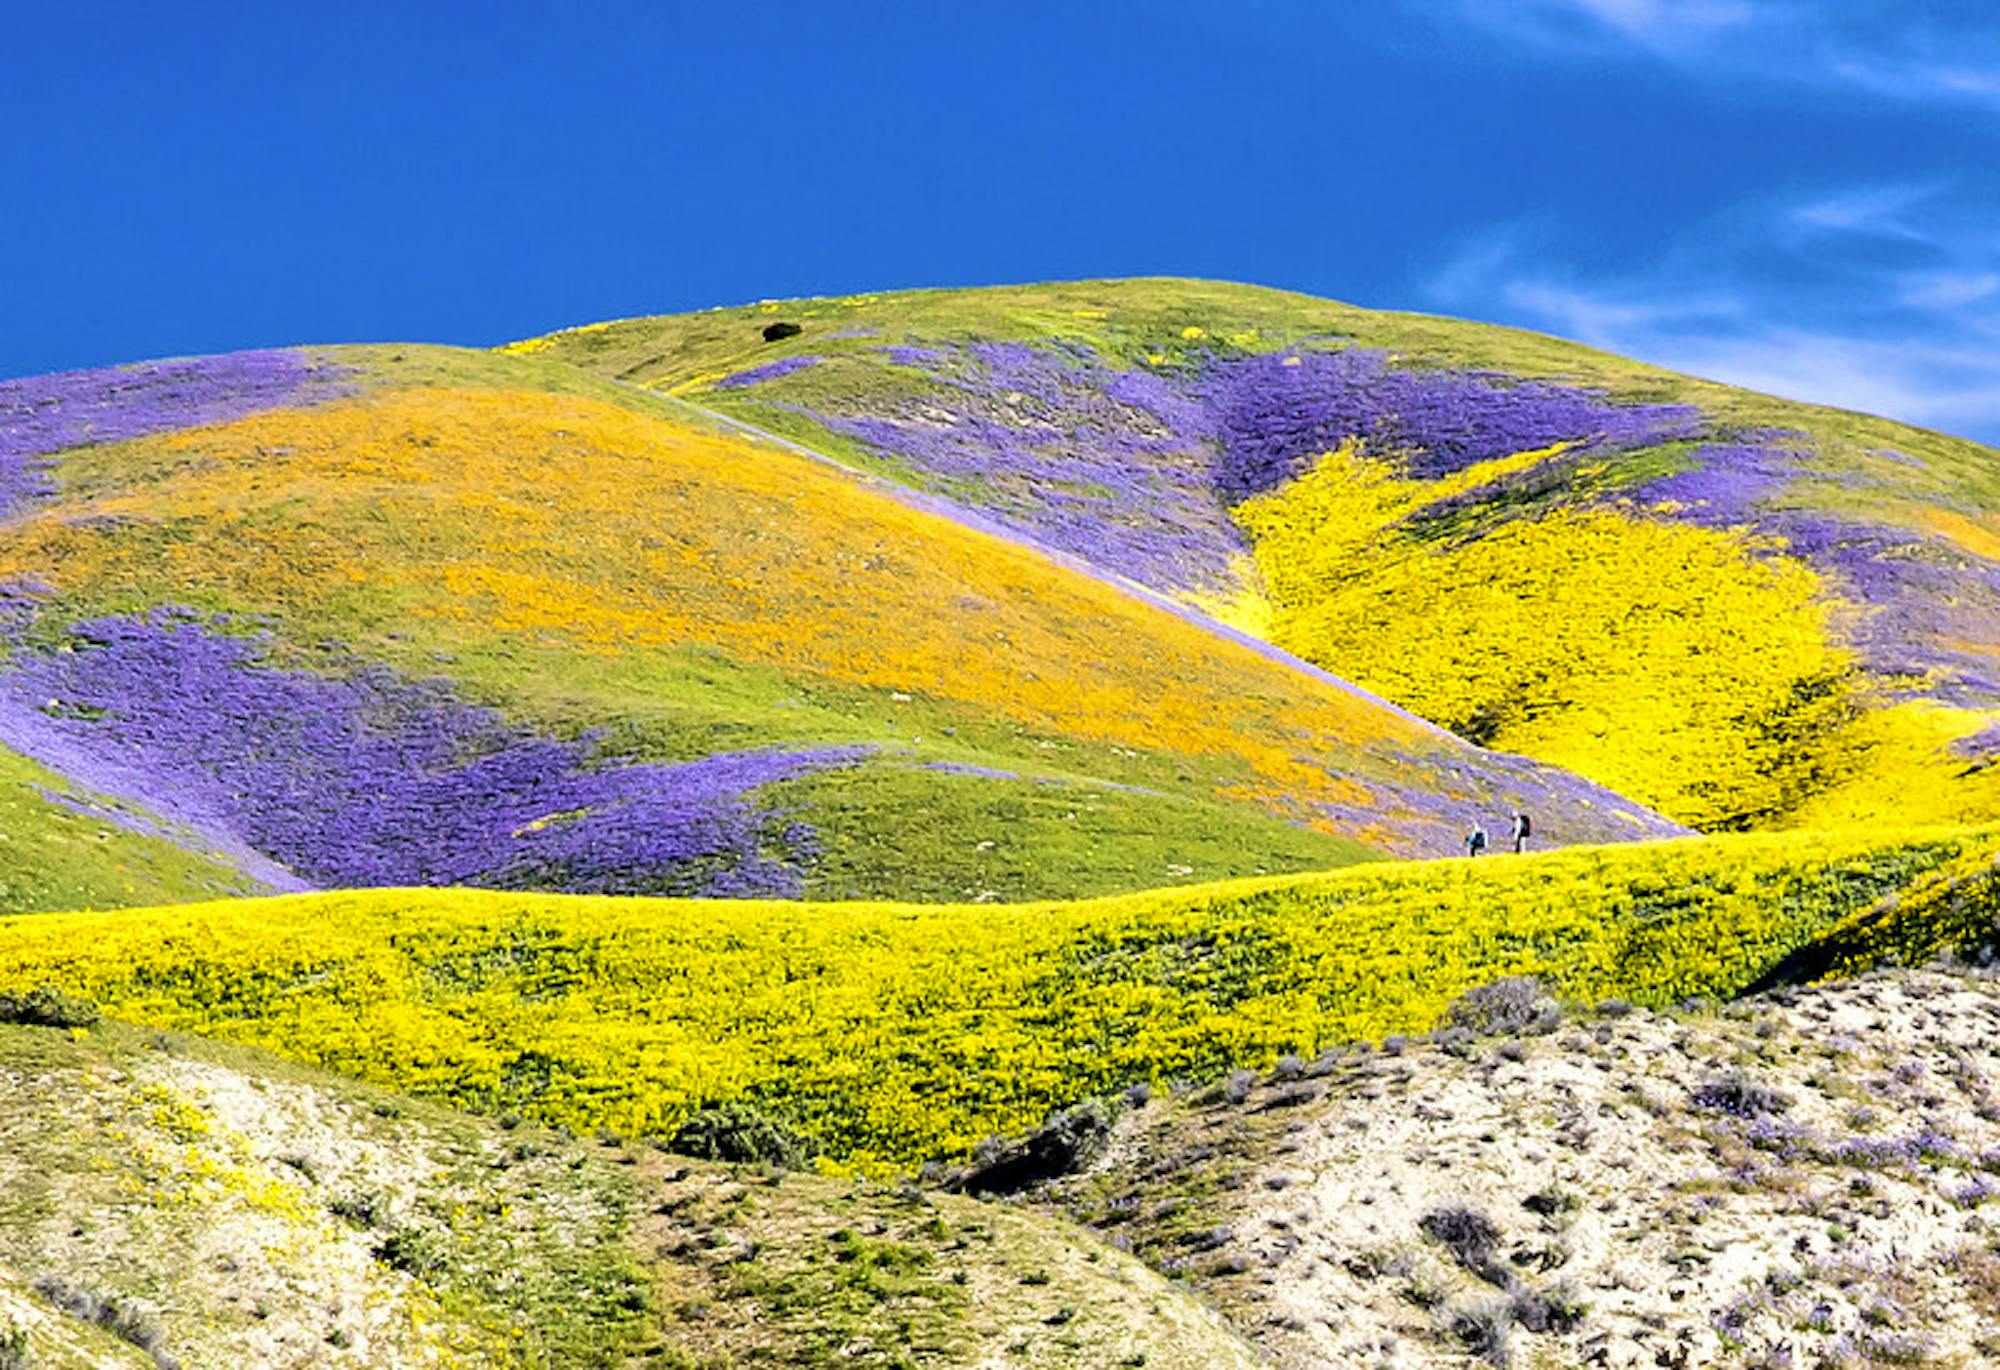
(1551, 1201)
(779, 331)
(743, 1135)
(363, 1208)
(1066, 1143)
(1519, 1003)
(1738, 1094)
(1486, 1330)
(14, 1352)
(1454, 1040)
(411, 1250)
(1470, 1236)
(46, 1006)
(1560, 1309)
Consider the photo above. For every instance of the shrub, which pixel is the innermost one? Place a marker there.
(363, 1208)
(1471, 1238)
(1738, 1094)
(412, 1250)
(14, 1352)
(1064, 1144)
(742, 1135)
(1486, 1329)
(45, 1006)
(1517, 1003)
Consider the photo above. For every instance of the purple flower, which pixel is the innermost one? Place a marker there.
(46, 414)
(1277, 412)
(1123, 468)
(966, 768)
(769, 371)
(365, 778)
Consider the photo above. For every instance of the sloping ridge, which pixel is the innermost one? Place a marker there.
(400, 616)
(1742, 611)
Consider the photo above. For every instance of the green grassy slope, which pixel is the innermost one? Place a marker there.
(61, 848)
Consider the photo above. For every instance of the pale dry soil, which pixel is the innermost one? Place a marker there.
(1798, 1179)
(238, 1211)
(166, 1201)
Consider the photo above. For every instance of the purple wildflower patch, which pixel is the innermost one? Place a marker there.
(1123, 468)
(969, 769)
(1113, 467)
(41, 415)
(769, 371)
(1728, 481)
(368, 778)
(1277, 412)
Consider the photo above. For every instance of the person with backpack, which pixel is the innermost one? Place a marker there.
(1475, 841)
(1524, 828)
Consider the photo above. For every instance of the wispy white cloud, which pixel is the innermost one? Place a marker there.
(1902, 52)
(1793, 296)
(1947, 291)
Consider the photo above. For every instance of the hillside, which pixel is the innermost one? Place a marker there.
(1803, 1178)
(895, 831)
(1740, 611)
(1803, 1168)
(888, 1035)
(418, 616)
(164, 1202)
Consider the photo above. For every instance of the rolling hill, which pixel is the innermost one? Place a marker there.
(1740, 611)
(888, 1035)
(401, 616)
(893, 831)
(1801, 1167)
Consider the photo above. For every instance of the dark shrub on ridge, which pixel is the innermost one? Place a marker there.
(1519, 1003)
(743, 1135)
(1067, 1142)
(45, 1006)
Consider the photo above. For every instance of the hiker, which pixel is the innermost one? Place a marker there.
(1524, 828)
(1475, 841)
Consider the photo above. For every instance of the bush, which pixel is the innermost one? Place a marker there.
(14, 1352)
(1470, 1236)
(1066, 1143)
(413, 1251)
(742, 1135)
(1738, 1094)
(1518, 1003)
(46, 1006)
(1486, 1329)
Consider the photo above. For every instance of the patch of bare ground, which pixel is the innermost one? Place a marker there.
(199, 1206)
(1801, 1179)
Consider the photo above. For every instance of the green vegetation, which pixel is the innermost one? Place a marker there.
(61, 848)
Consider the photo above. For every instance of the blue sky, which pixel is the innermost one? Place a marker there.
(1798, 195)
